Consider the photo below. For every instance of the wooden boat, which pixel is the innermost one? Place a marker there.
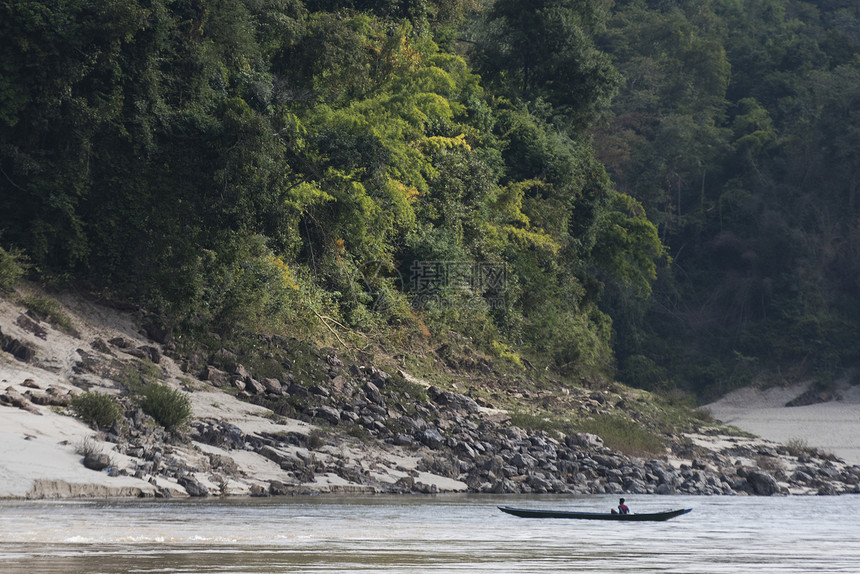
(535, 513)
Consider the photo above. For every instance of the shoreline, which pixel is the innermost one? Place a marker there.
(234, 447)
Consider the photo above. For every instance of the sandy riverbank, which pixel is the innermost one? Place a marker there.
(40, 442)
(39, 445)
(832, 426)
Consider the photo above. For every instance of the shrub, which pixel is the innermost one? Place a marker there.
(88, 447)
(502, 351)
(798, 447)
(248, 287)
(704, 415)
(13, 265)
(316, 439)
(97, 408)
(169, 407)
(134, 376)
(94, 457)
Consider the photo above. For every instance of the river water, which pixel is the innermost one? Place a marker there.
(422, 534)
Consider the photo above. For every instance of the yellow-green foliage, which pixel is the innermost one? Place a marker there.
(305, 195)
(250, 287)
(392, 124)
(510, 227)
(436, 144)
(283, 270)
(502, 351)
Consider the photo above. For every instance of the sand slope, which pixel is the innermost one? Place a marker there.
(832, 426)
(39, 446)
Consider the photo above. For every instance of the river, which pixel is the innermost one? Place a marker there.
(422, 534)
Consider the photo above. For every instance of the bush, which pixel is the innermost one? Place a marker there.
(13, 265)
(169, 407)
(97, 408)
(251, 288)
(316, 439)
(799, 447)
(88, 446)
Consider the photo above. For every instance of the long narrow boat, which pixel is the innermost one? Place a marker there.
(535, 513)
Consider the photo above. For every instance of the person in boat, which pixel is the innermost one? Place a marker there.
(622, 508)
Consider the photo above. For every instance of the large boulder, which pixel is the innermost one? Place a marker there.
(465, 450)
(378, 377)
(31, 326)
(373, 394)
(432, 438)
(539, 483)
(521, 460)
(258, 490)
(635, 486)
(665, 488)
(762, 483)
(340, 384)
(273, 454)
(273, 386)
(18, 349)
(254, 387)
(215, 376)
(96, 461)
(279, 488)
(239, 370)
(193, 486)
(453, 400)
(298, 390)
(327, 413)
(800, 476)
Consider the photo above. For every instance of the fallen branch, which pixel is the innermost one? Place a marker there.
(333, 332)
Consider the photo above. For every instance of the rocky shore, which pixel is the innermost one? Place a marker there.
(482, 453)
(323, 425)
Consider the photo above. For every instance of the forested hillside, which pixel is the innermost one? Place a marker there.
(662, 192)
(737, 126)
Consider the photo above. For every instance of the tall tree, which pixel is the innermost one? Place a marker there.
(545, 50)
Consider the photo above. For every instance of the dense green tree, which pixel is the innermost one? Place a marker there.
(545, 49)
(271, 162)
